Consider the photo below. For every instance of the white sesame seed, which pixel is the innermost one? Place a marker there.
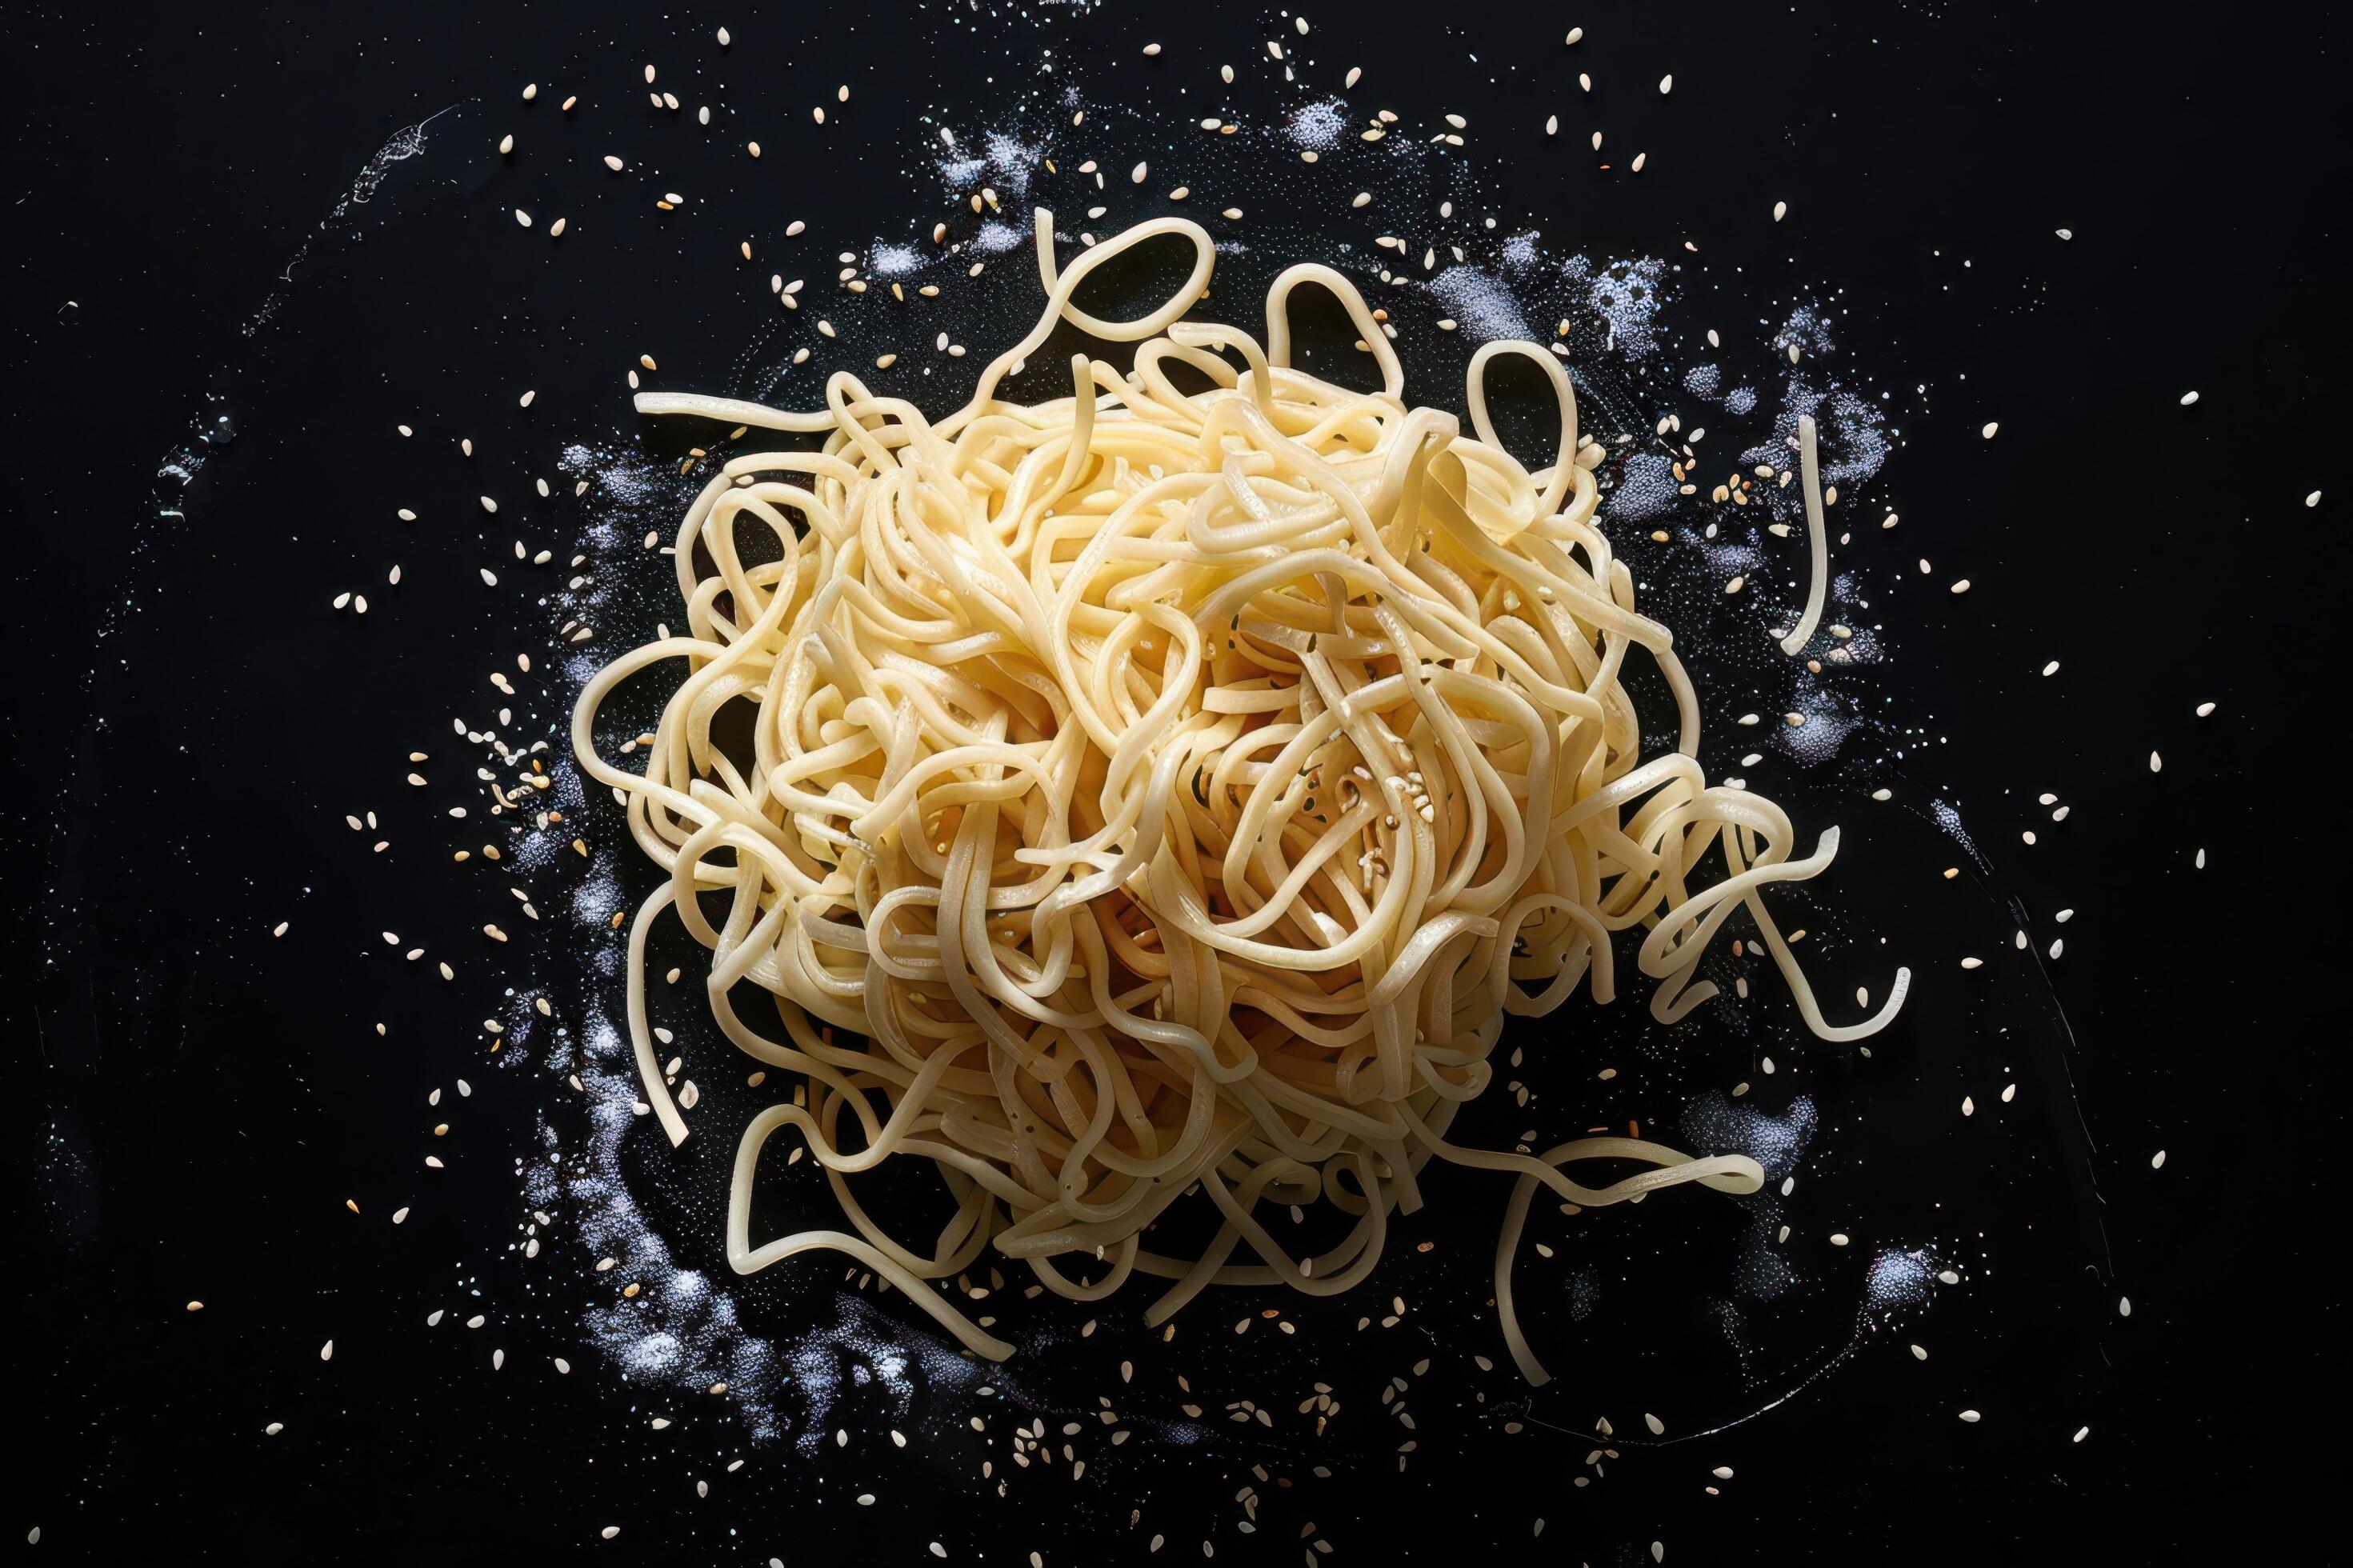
(2188, 398)
(1992, 426)
(522, 217)
(723, 39)
(2155, 763)
(1971, 1417)
(1666, 84)
(1780, 211)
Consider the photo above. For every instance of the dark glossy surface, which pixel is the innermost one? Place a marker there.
(192, 1101)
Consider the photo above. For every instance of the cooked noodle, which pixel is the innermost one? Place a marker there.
(1155, 793)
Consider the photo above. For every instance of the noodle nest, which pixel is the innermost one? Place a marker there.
(1157, 796)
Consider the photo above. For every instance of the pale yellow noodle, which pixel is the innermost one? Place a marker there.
(1157, 794)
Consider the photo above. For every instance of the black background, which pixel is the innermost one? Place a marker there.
(178, 1103)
